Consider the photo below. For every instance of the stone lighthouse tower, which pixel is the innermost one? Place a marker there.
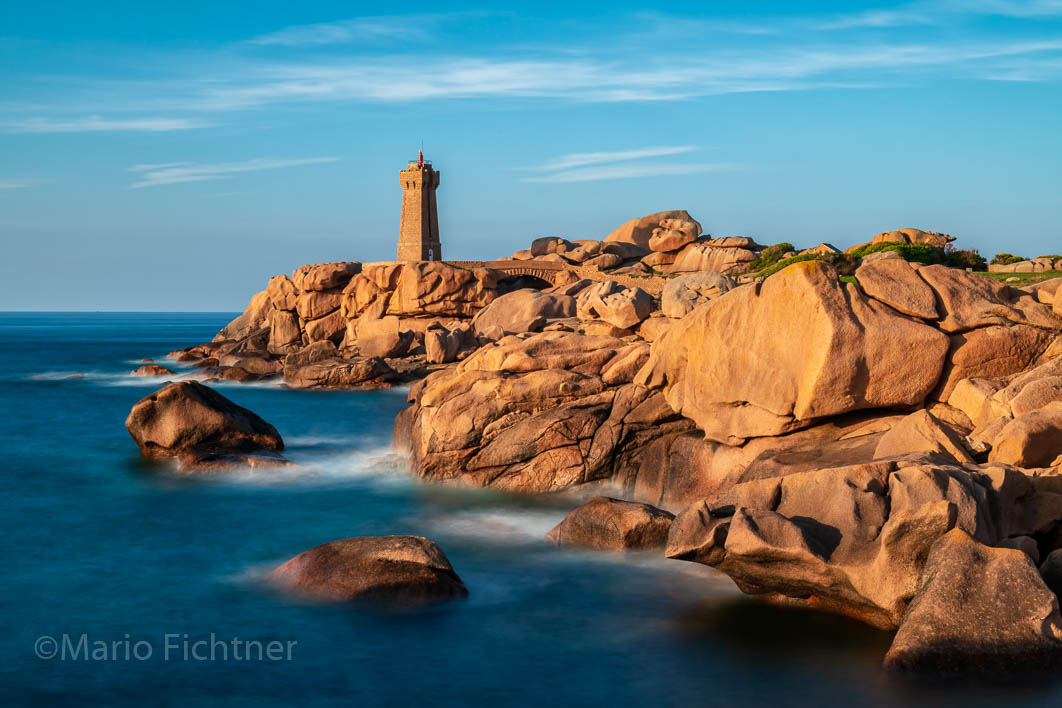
(418, 232)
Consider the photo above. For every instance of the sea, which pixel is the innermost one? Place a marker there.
(125, 584)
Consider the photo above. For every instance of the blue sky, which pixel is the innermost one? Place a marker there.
(172, 158)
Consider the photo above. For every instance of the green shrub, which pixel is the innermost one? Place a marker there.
(1052, 256)
(846, 263)
(1005, 259)
(917, 252)
(969, 258)
(771, 255)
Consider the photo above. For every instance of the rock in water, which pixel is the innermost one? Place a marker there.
(151, 370)
(613, 525)
(978, 609)
(191, 420)
(402, 570)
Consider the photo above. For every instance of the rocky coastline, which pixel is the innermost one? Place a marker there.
(875, 432)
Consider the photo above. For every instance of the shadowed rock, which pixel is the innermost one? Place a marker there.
(853, 539)
(978, 609)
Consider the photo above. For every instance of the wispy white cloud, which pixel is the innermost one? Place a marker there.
(408, 28)
(582, 159)
(16, 183)
(874, 19)
(342, 31)
(94, 124)
(178, 172)
(713, 72)
(607, 172)
(934, 12)
(789, 54)
(597, 166)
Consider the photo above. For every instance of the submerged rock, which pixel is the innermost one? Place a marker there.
(393, 570)
(614, 525)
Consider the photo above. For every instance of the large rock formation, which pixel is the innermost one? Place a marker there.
(201, 427)
(536, 413)
(855, 539)
(422, 289)
(778, 355)
(380, 312)
(774, 357)
(392, 570)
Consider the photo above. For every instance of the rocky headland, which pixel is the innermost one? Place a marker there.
(874, 431)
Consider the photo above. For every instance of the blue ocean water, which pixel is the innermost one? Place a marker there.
(103, 549)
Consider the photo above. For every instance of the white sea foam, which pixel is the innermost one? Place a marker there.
(125, 379)
(495, 525)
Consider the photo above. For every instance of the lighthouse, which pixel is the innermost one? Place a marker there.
(418, 230)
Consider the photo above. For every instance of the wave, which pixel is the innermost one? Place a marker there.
(376, 467)
(498, 525)
(125, 379)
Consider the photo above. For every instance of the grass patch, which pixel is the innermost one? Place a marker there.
(1027, 278)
